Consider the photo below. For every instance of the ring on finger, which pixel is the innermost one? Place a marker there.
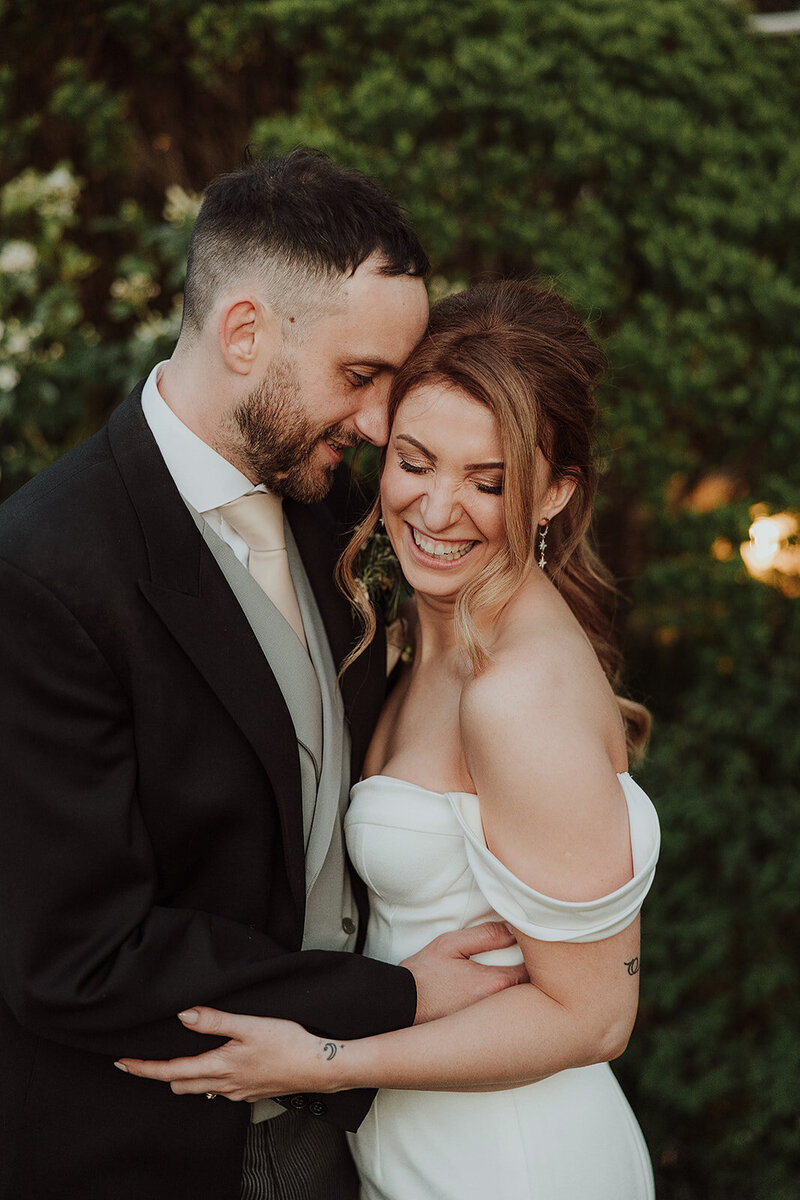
(211, 1095)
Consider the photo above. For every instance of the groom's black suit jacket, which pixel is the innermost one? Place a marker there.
(151, 842)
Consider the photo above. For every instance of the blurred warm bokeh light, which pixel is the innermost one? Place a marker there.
(772, 554)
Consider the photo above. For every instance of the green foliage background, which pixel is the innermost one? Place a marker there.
(645, 154)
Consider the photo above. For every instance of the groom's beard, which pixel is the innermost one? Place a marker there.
(278, 442)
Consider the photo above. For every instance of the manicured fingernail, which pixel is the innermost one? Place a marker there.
(190, 1017)
(120, 1067)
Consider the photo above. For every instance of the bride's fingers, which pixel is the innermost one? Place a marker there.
(219, 1083)
(205, 1087)
(201, 1020)
(202, 1066)
(213, 1021)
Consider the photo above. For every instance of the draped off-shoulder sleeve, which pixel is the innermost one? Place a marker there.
(551, 920)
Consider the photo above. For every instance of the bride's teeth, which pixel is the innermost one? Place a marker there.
(446, 550)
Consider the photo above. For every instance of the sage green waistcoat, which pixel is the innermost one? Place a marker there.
(309, 687)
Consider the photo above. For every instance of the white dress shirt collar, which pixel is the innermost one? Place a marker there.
(204, 478)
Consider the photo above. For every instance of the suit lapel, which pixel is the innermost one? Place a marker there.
(189, 593)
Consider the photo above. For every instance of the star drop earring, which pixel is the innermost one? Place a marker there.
(543, 531)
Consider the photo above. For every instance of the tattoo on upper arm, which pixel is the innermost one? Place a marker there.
(329, 1049)
(633, 966)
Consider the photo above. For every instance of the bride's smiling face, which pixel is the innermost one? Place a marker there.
(441, 488)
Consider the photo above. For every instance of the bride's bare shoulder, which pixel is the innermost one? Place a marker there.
(535, 643)
(525, 676)
(543, 680)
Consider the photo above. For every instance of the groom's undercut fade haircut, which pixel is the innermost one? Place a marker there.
(297, 227)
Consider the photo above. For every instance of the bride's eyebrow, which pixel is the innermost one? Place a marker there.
(406, 437)
(484, 466)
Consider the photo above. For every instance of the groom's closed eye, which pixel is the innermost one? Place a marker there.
(360, 381)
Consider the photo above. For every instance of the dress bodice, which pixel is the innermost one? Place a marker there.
(425, 859)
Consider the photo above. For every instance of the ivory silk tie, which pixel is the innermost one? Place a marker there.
(258, 519)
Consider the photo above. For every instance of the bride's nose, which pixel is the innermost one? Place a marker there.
(440, 506)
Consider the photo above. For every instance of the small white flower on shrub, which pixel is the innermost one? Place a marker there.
(16, 257)
(180, 206)
(9, 378)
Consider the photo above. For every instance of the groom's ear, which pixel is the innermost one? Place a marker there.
(249, 334)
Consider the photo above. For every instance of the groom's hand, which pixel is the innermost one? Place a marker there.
(446, 977)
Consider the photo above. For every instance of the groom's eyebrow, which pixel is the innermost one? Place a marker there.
(379, 364)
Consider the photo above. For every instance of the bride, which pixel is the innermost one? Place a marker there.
(496, 785)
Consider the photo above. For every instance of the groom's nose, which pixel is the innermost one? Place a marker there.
(372, 417)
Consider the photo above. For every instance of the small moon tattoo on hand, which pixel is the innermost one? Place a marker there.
(633, 966)
(329, 1049)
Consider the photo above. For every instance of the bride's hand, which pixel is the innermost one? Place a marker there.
(264, 1057)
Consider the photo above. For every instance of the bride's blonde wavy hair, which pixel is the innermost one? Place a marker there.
(524, 353)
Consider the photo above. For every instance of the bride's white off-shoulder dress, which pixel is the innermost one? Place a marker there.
(570, 1137)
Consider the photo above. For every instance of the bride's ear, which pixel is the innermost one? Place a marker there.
(558, 497)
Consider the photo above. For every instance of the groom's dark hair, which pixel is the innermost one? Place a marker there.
(298, 224)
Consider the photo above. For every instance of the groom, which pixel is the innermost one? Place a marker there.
(176, 751)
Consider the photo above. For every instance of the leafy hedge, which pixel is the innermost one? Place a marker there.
(645, 154)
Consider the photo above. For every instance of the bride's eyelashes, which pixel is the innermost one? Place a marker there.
(490, 489)
(487, 488)
(413, 468)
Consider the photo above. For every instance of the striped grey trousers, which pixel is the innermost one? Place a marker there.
(297, 1157)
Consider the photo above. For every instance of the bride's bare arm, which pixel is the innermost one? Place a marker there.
(554, 813)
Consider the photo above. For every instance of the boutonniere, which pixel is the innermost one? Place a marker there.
(379, 573)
